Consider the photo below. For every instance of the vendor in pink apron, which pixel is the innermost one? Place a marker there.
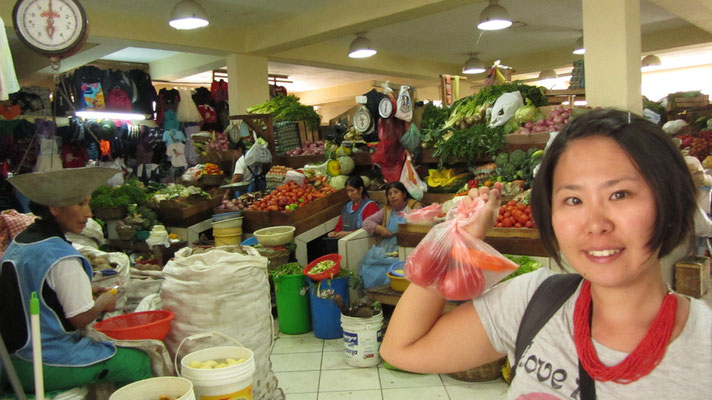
(41, 260)
(384, 224)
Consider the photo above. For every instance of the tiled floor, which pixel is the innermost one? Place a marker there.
(309, 368)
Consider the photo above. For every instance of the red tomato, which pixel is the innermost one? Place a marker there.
(426, 263)
(507, 214)
(523, 218)
(521, 206)
(529, 224)
(517, 225)
(511, 203)
(461, 283)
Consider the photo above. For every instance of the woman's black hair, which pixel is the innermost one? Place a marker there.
(655, 156)
(240, 145)
(397, 185)
(42, 212)
(356, 182)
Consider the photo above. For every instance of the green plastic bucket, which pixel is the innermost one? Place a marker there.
(292, 295)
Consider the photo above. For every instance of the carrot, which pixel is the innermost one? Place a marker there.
(468, 256)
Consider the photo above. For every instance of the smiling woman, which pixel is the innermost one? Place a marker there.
(612, 196)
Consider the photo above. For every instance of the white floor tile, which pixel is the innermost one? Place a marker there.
(342, 380)
(298, 382)
(351, 395)
(421, 393)
(303, 396)
(296, 362)
(334, 345)
(492, 390)
(333, 360)
(305, 344)
(395, 379)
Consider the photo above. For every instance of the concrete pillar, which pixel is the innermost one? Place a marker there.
(247, 82)
(611, 30)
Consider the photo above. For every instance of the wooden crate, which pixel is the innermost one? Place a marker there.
(307, 133)
(692, 276)
(303, 218)
(174, 213)
(529, 138)
(678, 101)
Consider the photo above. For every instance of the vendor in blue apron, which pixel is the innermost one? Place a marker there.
(249, 174)
(384, 224)
(41, 260)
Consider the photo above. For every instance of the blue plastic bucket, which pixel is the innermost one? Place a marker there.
(325, 314)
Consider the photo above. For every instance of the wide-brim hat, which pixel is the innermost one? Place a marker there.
(64, 187)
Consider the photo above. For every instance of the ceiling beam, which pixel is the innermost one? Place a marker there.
(340, 18)
(697, 12)
(331, 55)
(182, 65)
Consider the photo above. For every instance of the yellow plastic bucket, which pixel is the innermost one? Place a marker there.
(153, 388)
(227, 236)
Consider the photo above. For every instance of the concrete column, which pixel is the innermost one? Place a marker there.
(611, 30)
(247, 82)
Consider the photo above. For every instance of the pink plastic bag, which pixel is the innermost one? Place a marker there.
(425, 215)
(453, 263)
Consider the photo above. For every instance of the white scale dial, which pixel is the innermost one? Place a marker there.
(50, 26)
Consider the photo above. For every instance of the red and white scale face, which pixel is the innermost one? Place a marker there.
(50, 25)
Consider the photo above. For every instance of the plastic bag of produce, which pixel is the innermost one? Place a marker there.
(411, 139)
(425, 215)
(412, 182)
(454, 264)
(404, 106)
(258, 153)
(505, 107)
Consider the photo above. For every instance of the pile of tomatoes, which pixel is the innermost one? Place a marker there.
(290, 196)
(515, 215)
(212, 169)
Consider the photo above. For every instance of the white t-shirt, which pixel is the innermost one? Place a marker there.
(72, 286)
(550, 365)
(241, 168)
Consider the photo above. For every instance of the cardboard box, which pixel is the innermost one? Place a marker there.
(692, 276)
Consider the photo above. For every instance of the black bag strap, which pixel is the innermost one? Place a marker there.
(547, 299)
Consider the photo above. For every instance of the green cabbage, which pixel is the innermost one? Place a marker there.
(338, 182)
(526, 113)
(347, 164)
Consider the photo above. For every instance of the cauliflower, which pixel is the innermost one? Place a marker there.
(338, 182)
(347, 164)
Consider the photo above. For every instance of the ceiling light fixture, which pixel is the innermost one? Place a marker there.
(650, 62)
(547, 74)
(109, 115)
(188, 15)
(473, 65)
(494, 17)
(361, 47)
(578, 48)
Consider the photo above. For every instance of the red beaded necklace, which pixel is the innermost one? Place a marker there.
(641, 361)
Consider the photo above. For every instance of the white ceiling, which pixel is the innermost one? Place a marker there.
(438, 32)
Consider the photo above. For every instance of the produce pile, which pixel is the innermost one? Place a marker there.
(555, 122)
(697, 144)
(290, 196)
(321, 266)
(308, 149)
(463, 130)
(515, 214)
(241, 203)
(526, 264)
(211, 169)
(288, 108)
(175, 191)
(293, 268)
(105, 196)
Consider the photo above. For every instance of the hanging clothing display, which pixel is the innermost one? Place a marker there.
(48, 158)
(187, 110)
(8, 78)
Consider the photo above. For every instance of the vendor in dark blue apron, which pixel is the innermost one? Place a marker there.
(250, 175)
(384, 223)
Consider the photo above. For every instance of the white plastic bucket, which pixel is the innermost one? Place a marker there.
(229, 383)
(235, 222)
(153, 388)
(362, 339)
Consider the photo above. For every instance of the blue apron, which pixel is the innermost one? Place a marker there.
(375, 262)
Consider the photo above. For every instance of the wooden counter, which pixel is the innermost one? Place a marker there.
(520, 241)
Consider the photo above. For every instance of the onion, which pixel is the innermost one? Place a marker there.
(539, 129)
(557, 119)
(529, 125)
(555, 113)
(523, 131)
(565, 121)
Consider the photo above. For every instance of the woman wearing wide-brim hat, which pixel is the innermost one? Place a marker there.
(41, 260)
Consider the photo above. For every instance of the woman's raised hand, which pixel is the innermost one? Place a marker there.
(488, 215)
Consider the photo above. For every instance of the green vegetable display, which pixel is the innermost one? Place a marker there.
(293, 268)
(106, 196)
(474, 143)
(526, 264)
(288, 108)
